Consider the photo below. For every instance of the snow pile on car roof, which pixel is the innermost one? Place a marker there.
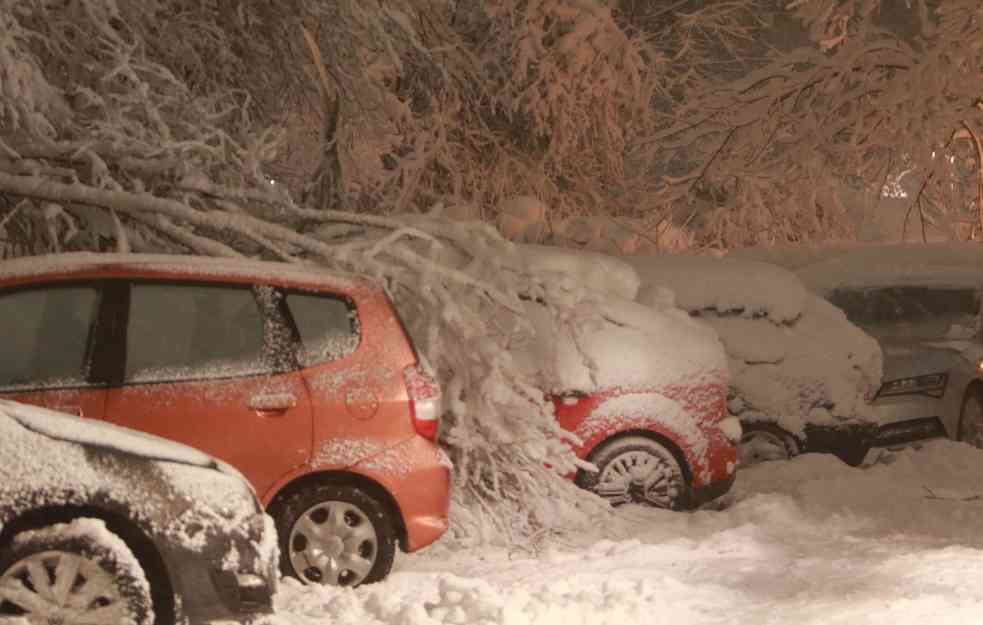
(612, 341)
(631, 347)
(700, 283)
(922, 264)
(602, 273)
(793, 357)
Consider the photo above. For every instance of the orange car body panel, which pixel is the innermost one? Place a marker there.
(351, 414)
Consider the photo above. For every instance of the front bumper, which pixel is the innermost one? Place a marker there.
(848, 442)
(231, 579)
(909, 431)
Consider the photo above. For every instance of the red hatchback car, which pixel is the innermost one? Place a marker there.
(303, 380)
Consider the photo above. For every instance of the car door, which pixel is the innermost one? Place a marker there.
(353, 370)
(49, 334)
(208, 365)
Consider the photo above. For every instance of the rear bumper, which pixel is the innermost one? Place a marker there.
(417, 473)
(714, 473)
(711, 491)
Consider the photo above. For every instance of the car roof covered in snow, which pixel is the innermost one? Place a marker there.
(33, 267)
(953, 265)
(724, 284)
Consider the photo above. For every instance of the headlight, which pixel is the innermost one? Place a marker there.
(979, 366)
(932, 385)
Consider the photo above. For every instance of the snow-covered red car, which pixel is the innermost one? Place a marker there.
(100, 524)
(644, 391)
(304, 380)
(802, 375)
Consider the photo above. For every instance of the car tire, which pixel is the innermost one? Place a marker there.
(762, 442)
(336, 534)
(971, 418)
(48, 574)
(636, 469)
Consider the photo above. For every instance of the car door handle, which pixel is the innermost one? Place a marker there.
(276, 402)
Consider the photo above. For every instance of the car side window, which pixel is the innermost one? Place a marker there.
(46, 332)
(190, 332)
(328, 326)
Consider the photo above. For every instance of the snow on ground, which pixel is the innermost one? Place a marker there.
(808, 541)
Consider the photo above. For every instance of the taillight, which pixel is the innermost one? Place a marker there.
(426, 401)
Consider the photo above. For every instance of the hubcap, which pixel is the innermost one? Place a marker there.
(759, 446)
(639, 477)
(333, 543)
(61, 588)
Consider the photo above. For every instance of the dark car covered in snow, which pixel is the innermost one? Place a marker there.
(100, 524)
(801, 375)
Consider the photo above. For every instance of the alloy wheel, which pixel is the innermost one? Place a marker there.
(61, 588)
(638, 476)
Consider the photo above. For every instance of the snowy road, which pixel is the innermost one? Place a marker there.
(807, 541)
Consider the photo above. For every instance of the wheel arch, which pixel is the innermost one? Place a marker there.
(139, 542)
(343, 477)
(975, 386)
(657, 437)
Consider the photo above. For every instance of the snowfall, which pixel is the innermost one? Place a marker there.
(810, 540)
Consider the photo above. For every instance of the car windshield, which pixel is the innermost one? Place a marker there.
(920, 313)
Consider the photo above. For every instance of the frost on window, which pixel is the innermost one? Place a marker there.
(328, 327)
(181, 332)
(44, 334)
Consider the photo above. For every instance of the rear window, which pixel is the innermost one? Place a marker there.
(328, 326)
(45, 333)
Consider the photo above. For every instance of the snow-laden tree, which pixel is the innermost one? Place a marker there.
(791, 150)
(132, 125)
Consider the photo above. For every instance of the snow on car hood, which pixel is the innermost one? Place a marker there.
(723, 284)
(72, 429)
(48, 457)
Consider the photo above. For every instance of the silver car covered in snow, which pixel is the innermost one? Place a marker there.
(103, 525)
(922, 303)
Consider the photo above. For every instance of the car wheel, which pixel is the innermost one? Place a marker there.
(971, 418)
(336, 535)
(761, 442)
(636, 469)
(58, 575)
